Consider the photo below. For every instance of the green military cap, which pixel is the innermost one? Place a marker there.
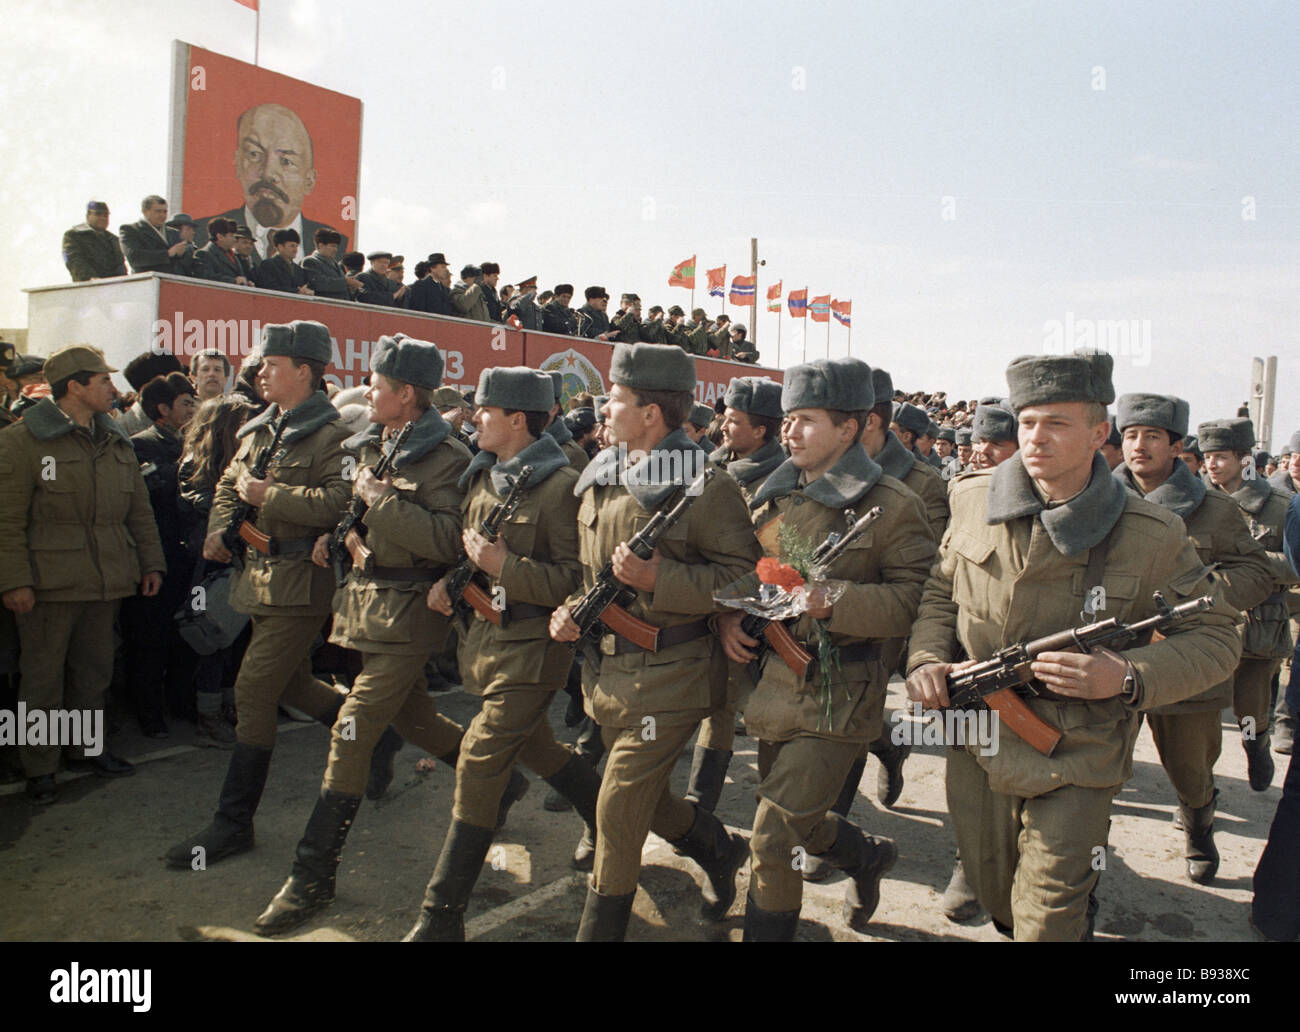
(24, 365)
(515, 388)
(755, 395)
(557, 381)
(841, 384)
(1043, 379)
(1226, 435)
(993, 423)
(676, 310)
(882, 384)
(448, 398)
(963, 436)
(1160, 410)
(910, 417)
(403, 358)
(653, 367)
(600, 400)
(701, 415)
(946, 433)
(76, 358)
(301, 338)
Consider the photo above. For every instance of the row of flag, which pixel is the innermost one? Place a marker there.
(744, 290)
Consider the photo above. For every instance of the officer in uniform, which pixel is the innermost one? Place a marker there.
(653, 330)
(557, 316)
(1027, 543)
(79, 534)
(674, 328)
(90, 251)
(559, 429)
(749, 453)
(1189, 734)
(516, 666)
(812, 731)
(302, 497)
(720, 338)
(1267, 639)
(649, 704)
(593, 323)
(628, 321)
(697, 334)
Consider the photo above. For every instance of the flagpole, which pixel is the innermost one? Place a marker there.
(829, 319)
(804, 356)
(778, 336)
(257, 35)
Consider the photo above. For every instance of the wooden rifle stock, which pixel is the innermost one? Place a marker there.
(240, 530)
(362, 554)
(482, 603)
(346, 541)
(788, 648)
(254, 537)
(1015, 714)
(623, 623)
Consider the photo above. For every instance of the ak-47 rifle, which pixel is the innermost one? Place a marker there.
(347, 547)
(240, 532)
(1000, 682)
(465, 594)
(606, 600)
(775, 636)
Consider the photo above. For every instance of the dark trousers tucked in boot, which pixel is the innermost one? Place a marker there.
(721, 855)
(442, 915)
(765, 926)
(1259, 761)
(865, 859)
(1200, 851)
(708, 774)
(381, 763)
(815, 868)
(605, 918)
(889, 779)
(310, 887)
(231, 830)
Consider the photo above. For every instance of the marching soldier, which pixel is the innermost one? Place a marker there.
(515, 666)
(812, 730)
(1189, 734)
(559, 429)
(413, 524)
(697, 422)
(301, 497)
(648, 705)
(1026, 545)
(749, 453)
(1226, 444)
(78, 535)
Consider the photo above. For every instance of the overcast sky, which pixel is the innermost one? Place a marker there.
(973, 176)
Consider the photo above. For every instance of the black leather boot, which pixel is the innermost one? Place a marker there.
(381, 763)
(310, 887)
(721, 855)
(815, 868)
(1259, 761)
(889, 779)
(708, 774)
(769, 926)
(865, 859)
(1198, 831)
(605, 918)
(442, 915)
(231, 830)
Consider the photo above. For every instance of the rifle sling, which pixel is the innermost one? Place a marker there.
(678, 634)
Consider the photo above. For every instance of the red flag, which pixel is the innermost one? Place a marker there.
(683, 274)
(743, 289)
(821, 308)
(774, 297)
(250, 4)
(717, 282)
(842, 311)
(797, 302)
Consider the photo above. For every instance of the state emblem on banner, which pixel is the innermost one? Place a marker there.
(579, 374)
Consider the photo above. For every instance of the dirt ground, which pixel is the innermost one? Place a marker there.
(89, 866)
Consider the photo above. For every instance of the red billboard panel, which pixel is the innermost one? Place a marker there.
(263, 149)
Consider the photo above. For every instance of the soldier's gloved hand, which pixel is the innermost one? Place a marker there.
(439, 601)
(1099, 675)
(562, 626)
(214, 549)
(634, 571)
(488, 556)
(735, 642)
(320, 551)
(151, 584)
(19, 600)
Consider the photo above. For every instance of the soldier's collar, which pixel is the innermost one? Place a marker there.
(1073, 527)
(894, 459)
(1182, 494)
(1252, 494)
(559, 430)
(748, 468)
(544, 455)
(672, 463)
(854, 475)
(430, 430)
(304, 419)
(46, 422)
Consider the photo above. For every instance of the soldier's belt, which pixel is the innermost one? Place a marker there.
(678, 634)
(398, 573)
(862, 652)
(283, 546)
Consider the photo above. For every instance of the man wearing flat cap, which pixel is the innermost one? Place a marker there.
(90, 251)
(557, 316)
(467, 298)
(994, 435)
(515, 666)
(1189, 734)
(301, 497)
(412, 528)
(673, 689)
(1267, 640)
(1028, 545)
(79, 535)
(813, 727)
